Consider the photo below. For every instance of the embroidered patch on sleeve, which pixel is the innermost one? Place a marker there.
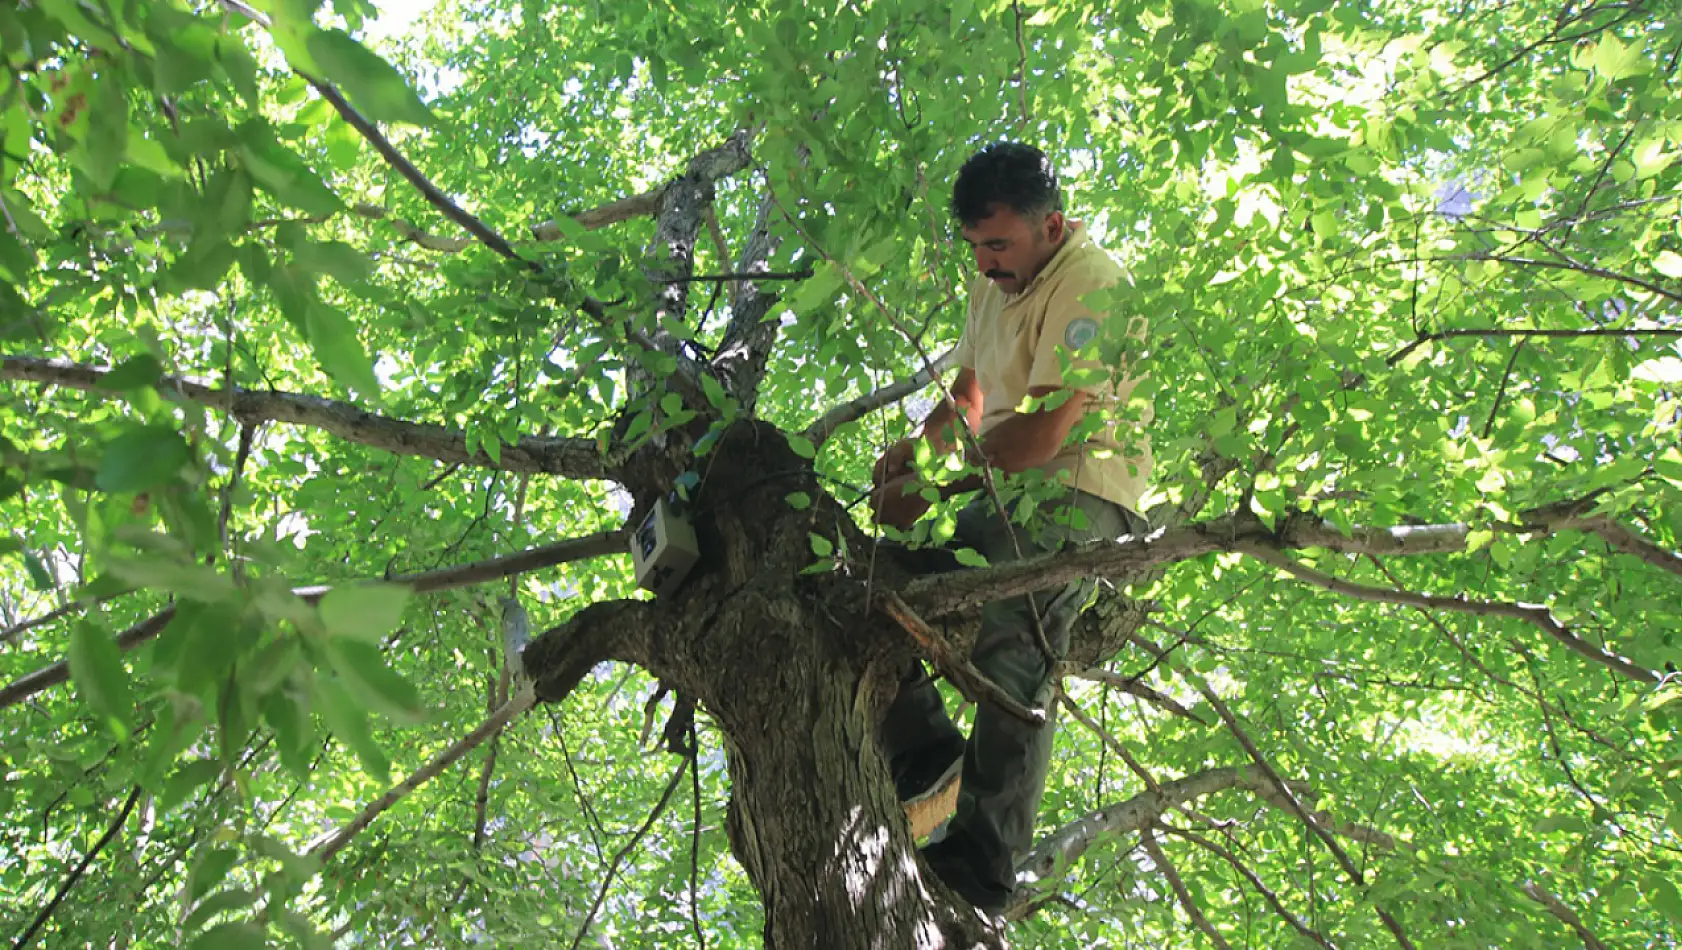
(1081, 331)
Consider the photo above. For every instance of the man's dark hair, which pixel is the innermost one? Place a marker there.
(1012, 174)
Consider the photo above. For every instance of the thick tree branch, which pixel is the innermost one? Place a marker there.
(523, 699)
(1629, 542)
(1535, 614)
(1039, 872)
(572, 458)
(624, 209)
(821, 430)
(746, 346)
(742, 275)
(478, 572)
(53, 674)
(1132, 558)
(562, 656)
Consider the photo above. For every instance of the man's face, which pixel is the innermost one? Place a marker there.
(1011, 249)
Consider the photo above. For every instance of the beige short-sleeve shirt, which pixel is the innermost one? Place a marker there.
(1017, 342)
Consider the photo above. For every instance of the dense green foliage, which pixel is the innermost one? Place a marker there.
(1338, 216)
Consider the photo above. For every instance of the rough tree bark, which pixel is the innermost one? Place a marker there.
(796, 671)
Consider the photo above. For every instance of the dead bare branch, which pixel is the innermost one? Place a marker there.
(970, 681)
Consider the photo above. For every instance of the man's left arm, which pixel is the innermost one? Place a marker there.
(1031, 437)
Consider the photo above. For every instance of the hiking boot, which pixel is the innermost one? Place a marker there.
(961, 870)
(925, 772)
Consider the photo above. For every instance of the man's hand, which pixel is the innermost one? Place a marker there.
(895, 505)
(894, 463)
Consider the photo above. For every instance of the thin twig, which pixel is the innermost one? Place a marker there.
(76, 873)
(1148, 839)
(1111, 742)
(1501, 390)
(1500, 333)
(1535, 614)
(1021, 69)
(13, 632)
(622, 853)
(521, 701)
(1267, 894)
(695, 841)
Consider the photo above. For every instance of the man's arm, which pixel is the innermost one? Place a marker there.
(1025, 440)
(940, 428)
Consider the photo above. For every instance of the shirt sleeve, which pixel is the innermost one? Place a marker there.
(1073, 329)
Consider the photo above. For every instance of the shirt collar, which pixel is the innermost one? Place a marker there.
(1076, 239)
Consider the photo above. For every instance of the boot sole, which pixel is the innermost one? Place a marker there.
(926, 811)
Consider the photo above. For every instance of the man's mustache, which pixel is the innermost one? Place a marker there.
(999, 274)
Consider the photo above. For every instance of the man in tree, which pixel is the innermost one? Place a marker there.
(1026, 380)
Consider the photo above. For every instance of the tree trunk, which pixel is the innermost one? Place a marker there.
(813, 816)
(797, 673)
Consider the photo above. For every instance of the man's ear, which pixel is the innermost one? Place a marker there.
(1055, 225)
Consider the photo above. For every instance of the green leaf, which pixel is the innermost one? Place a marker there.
(715, 392)
(373, 683)
(38, 573)
(364, 612)
(1614, 60)
(282, 173)
(347, 720)
(230, 937)
(134, 373)
(821, 546)
(802, 446)
(799, 500)
(211, 867)
(816, 290)
(142, 459)
(1664, 897)
(96, 666)
(970, 557)
(339, 352)
(194, 581)
(17, 261)
(343, 263)
(216, 904)
(107, 140)
(372, 84)
(180, 785)
(1669, 263)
